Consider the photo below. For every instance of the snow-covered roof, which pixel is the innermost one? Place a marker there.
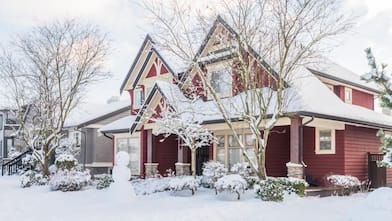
(331, 70)
(88, 113)
(120, 125)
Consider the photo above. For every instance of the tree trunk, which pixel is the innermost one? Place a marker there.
(262, 173)
(45, 166)
(193, 161)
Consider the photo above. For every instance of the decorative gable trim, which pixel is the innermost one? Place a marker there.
(139, 53)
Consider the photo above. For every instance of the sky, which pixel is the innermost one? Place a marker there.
(126, 25)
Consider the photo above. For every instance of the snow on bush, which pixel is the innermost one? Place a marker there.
(242, 169)
(233, 183)
(344, 181)
(151, 185)
(30, 178)
(269, 190)
(293, 185)
(66, 161)
(212, 171)
(28, 161)
(103, 181)
(184, 183)
(70, 180)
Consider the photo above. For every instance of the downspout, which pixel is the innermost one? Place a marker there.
(301, 140)
(107, 135)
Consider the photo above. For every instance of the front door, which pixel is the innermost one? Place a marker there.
(202, 156)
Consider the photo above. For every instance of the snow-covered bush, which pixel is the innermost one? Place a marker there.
(66, 161)
(344, 181)
(29, 161)
(269, 190)
(52, 169)
(151, 185)
(212, 171)
(233, 183)
(30, 178)
(184, 183)
(242, 169)
(251, 180)
(70, 180)
(103, 181)
(293, 185)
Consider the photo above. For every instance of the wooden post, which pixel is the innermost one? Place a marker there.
(193, 150)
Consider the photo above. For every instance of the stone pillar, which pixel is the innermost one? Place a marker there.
(183, 169)
(151, 169)
(295, 167)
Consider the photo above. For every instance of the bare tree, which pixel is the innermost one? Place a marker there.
(47, 72)
(265, 42)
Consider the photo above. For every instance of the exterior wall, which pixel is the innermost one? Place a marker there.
(278, 151)
(321, 165)
(358, 142)
(165, 153)
(363, 99)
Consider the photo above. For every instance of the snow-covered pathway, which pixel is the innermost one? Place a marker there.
(38, 203)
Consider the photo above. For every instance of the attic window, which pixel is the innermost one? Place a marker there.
(348, 98)
(325, 141)
(138, 98)
(221, 81)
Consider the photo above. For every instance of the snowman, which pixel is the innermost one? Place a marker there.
(121, 188)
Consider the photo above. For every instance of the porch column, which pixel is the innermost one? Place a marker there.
(150, 167)
(181, 167)
(294, 167)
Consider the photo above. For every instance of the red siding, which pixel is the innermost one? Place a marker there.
(339, 91)
(363, 99)
(359, 141)
(164, 69)
(152, 72)
(165, 152)
(321, 165)
(278, 151)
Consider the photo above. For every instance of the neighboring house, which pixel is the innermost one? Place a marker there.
(336, 106)
(82, 128)
(9, 143)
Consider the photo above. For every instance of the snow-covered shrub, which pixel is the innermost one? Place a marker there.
(103, 181)
(30, 178)
(170, 173)
(212, 171)
(29, 161)
(233, 183)
(251, 180)
(344, 181)
(70, 180)
(242, 169)
(293, 185)
(66, 161)
(269, 190)
(52, 169)
(184, 183)
(151, 185)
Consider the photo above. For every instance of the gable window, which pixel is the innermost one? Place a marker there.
(221, 81)
(348, 95)
(138, 98)
(325, 141)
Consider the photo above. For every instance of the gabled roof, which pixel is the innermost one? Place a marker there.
(330, 70)
(139, 53)
(152, 51)
(221, 21)
(91, 114)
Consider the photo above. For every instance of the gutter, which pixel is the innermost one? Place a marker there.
(107, 135)
(301, 140)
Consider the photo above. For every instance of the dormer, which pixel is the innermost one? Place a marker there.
(148, 67)
(346, 85)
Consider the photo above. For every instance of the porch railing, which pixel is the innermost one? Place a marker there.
(14, 165)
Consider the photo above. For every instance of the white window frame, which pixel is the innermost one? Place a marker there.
(135, 92)
(333, 141)
(348, 99)
(136, 135)
(218, 68)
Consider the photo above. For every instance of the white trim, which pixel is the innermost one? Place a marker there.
(317, 140)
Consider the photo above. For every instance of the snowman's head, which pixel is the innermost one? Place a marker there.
(122, 158)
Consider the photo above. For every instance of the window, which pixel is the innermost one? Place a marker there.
(250, 142)
(220, 149)
(77, 139)
(131, 145)
(1, 122)
(348, 95)
(148, 90)
(138, 98)
(221, 81)
(9, 144)
(234, 150)
(325, 141)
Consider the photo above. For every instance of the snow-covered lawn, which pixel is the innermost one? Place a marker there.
(38, 203)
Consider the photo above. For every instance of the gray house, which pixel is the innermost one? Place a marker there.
(9, 144)
(96, 149)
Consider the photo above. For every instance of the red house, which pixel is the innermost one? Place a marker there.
(329, 129)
